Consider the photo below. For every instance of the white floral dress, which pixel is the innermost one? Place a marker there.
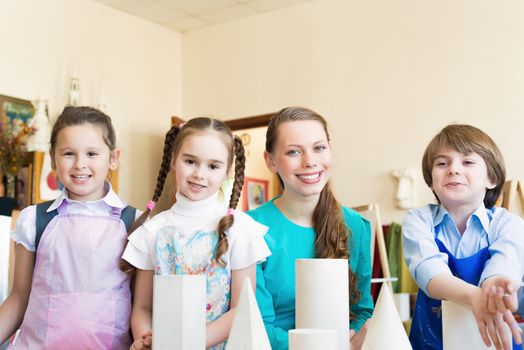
(183, 240)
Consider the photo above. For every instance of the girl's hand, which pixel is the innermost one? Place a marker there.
(500, 293)
(357, 339)
(144, 343)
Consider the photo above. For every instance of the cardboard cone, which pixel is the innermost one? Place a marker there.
(248, 331)
(385, 330)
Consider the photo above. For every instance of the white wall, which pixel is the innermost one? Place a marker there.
(386, 74)
(132, 65)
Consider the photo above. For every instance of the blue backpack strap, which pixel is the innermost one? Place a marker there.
(128, 215)
(42, 219)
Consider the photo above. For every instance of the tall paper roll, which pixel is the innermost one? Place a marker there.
(322, 296)
(179, 312)
(313, 339)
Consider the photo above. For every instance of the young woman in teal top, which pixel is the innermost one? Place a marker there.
(306, 221)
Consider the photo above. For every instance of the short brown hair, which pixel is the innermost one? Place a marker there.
(72, 116)
(468, 139)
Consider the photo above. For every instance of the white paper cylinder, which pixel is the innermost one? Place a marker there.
(179, 312)
(322, 296)
(459, 328)
(402, 304)
(313, 339)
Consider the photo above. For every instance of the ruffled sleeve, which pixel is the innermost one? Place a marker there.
(139, 250)
(25, 230)
(247, 244)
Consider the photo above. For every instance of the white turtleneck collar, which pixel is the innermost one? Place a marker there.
(187, 207)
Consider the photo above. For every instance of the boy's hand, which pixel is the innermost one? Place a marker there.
(500, 293)
(492, 329)
(143, 343)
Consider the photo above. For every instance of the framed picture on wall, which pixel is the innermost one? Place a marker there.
(254, 193)
(17, 108)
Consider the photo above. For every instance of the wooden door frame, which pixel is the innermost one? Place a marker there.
(239, 123)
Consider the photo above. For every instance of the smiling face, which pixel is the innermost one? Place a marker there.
(459, 180)
(302, 157)
(82, 160)
(201, 165)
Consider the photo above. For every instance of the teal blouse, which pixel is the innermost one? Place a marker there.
(276, 276)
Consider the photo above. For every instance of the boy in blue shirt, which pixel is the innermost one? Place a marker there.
(464, 249)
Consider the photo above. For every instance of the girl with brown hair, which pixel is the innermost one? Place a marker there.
(307, 221)
(198, 234)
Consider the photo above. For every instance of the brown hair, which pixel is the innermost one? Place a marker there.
(332, 233)
(468, 139)
(72, 116)
(173, 142)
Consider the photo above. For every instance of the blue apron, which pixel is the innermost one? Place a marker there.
(426, 328)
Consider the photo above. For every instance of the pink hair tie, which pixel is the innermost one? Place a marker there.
(181, 125)
(150, 205)
(230, 211)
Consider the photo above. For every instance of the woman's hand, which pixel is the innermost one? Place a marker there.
(143, 343)
(357, 339)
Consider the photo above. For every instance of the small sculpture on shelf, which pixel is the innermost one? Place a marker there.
(39, 141)
(405, 194)
(74, 91)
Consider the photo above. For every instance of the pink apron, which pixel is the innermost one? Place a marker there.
(79, 297)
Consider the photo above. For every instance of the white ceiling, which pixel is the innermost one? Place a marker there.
(186, 15)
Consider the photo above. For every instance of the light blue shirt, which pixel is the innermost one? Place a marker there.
(502, 231)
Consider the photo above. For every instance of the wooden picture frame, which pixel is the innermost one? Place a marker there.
(254, 193)
(14, 107)
(19, 109)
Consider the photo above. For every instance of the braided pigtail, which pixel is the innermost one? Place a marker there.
(161, 179)
(227, 221)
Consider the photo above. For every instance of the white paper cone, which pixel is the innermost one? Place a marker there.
(385, 329)
(248, 331)
(322, 296)
(179, 312)
(458, 323)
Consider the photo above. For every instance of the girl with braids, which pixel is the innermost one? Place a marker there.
(198, 234)
(306, 221)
